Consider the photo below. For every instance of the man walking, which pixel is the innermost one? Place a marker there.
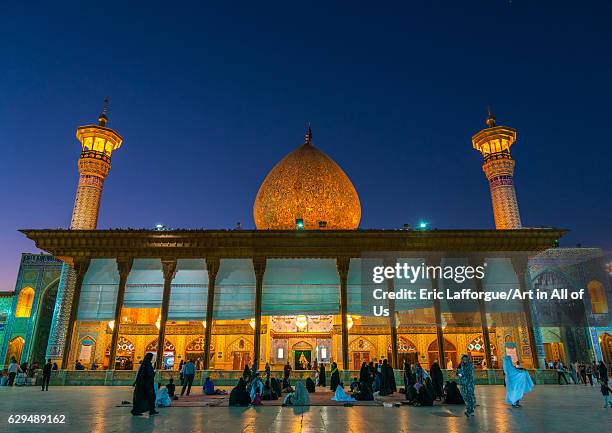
(188, 374)
(46, 375)
(13, 369)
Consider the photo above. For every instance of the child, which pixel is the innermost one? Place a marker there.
(605, 391)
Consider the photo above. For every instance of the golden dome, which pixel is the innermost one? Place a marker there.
(308, 185)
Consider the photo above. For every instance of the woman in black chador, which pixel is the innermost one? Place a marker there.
(144, 388)
(385, 379)
(239, 395)
(322, 374)
(437, 380)
(335, 377)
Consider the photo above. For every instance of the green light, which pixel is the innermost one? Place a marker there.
(423, 225)
(299, 224)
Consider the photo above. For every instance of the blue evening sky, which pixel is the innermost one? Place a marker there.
(209, 96)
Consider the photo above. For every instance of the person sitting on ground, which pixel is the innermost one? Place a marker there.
(354, 385)
(364, 392)
(426, 394)
(79, 366)
(340, 395)
(275, 384)
(310, 385)
(171, 388)
(246, 374)
(256, 389)
(452, 394)
(286, 385)
(239, 395)
(268, 392)
(162, 398)
(209, 388)
(298, 398)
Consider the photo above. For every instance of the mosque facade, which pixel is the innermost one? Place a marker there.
(292, 290)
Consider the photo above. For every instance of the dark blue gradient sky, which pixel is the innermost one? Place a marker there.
(210, 97)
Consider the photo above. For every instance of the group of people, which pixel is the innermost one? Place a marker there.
(579, 372)
(10, 375)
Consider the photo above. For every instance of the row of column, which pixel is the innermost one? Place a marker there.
(169, 268)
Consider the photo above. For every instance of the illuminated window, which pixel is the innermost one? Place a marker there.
(280, 353)
(24, 304)
(599, 303)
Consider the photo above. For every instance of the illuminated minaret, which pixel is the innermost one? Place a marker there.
(97, 145)
(494, 143)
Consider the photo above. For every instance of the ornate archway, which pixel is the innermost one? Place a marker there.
(14, 350)
(124, 357)
(450, 354)
(361, 350)
(168, 352)
(605, 342)
(86, 350)
(195, 351)
(239, 353)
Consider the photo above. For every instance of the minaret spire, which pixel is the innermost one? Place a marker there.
(308, 138)
(490, 118)
(103, 118)
(494, 144)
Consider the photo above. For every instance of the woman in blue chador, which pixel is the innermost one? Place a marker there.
(466, 379)
(518, 382)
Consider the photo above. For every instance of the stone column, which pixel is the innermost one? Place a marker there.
(520, 268)
(169, 271)
(435, 261)
(476, 261)
(342, 264)
(212, 265)
(80, 269)
(124, 265)
(61, 314)
(394, 361)
(259, 265)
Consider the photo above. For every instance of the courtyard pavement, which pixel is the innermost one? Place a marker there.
(549, 408)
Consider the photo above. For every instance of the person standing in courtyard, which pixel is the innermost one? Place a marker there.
(46, 375)
(437, 380)
(322, 379)
(335, 377)
(13, 369)
(603, 372)
(188, 374)
(466, 378)
(144, 388)
(518, 382)
(605, 391)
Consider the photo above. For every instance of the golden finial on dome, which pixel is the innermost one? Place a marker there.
(490, 118)
(308, 138)
(103, 118)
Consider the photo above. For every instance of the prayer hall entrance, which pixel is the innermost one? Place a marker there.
(302, 356)
(240, 359)
(359, 358)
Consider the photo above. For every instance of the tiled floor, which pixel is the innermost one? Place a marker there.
(549, 408)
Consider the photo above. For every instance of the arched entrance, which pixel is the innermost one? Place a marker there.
(43, 323)
(302, 356)
(450, 354)
(195, 351)
(360, 350)
(605, 342)
(168, 353)
(476, 351)
(14, 350)
(124, 357)
(241, 353)
(406, 352)
(86, 351)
